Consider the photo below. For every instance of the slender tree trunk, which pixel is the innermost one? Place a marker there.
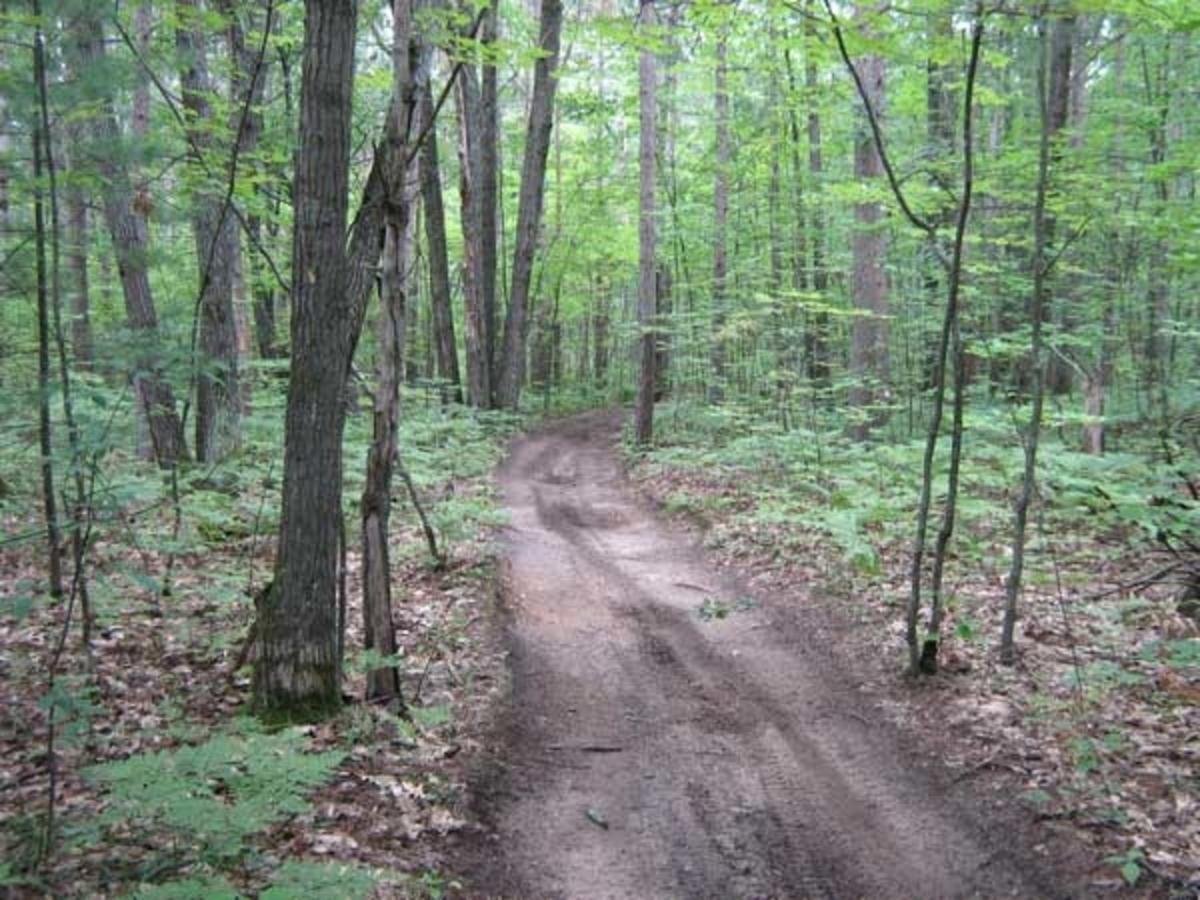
(869, 331)
(1059, 373)
(298, 670)
(647, 262)
(248, 89)
(1032, 434)
(82, 345)
(662, 313)
(435, 240)
(529, 204)
(479, 370)
(130, 238)
(818, 332)
(489, 169)
(218, 396)
(49, 498)
(383, 682)
(600, 305)
(719, 351)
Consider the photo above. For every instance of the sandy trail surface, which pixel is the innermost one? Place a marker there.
(653, 751)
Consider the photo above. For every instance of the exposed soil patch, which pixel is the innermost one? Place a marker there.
(673, 734)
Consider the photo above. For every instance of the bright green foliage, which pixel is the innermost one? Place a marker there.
(215, 888)
(302, 880)
(214, 795)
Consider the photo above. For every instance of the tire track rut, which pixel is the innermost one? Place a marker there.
(727, 770)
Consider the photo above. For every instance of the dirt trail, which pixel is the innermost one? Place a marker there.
(652, 753)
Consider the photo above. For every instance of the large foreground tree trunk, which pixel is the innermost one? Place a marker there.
(529, 206)
(298, 669)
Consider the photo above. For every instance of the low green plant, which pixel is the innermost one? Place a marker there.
(299, 879)
(210, 797)
(1130, 864)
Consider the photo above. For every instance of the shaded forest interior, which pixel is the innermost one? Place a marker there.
(904, 301)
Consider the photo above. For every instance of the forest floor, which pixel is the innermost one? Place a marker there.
(672, 731)
(609, 700)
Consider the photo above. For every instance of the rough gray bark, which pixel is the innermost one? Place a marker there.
(218, 398)
(647, 88)
(716, 389)
(869, 337)
(298, 668)
(445, 346)
(130, 238)
(529, 205)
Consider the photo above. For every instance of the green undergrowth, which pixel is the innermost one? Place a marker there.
(1110, 666)
(174, 561)
(785, 489)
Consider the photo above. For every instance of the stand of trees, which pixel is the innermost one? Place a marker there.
(855, 215)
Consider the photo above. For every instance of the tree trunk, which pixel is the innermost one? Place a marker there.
(82, 344)
(647, 263)
(529, 205)
(600, 335)
(435, 241)
(218, 397)
(130, 237)
(818, 330)
(662, 343)
(298, 670)
(247, 91)
(869, 333)
(1059, 373)
(395, 289)
(479, 370)
(1038, 265)
(489, 169)
(49, 498)
(716, 390)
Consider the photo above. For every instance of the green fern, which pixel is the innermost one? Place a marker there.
(213, 795)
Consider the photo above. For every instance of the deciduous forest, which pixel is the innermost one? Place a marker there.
(374, 374)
